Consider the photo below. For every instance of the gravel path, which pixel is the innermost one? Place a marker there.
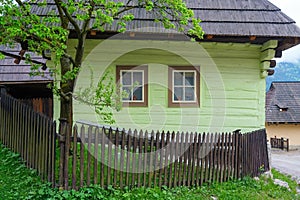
(287, 162)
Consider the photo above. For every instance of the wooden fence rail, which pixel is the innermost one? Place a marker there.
(98, 155)
(280, 143)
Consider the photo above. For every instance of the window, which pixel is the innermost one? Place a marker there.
(133, 82)
(184, 86)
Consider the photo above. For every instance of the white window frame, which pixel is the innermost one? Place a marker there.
(184, 86)
(132, 85)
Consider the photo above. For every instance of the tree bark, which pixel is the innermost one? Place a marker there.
(66, 102)
(67, 87)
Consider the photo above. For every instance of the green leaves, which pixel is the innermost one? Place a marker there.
(149, 5)
(18, 25)
(2, 56)
(70, 75)
(103, 97)
(50, 31)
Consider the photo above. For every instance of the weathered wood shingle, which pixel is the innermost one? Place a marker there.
(221, 17)
(226, 20)
(283, 103)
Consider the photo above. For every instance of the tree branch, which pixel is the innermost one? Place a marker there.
(70, 58)
(66, 96)
(68, 15)
(118, 13)
(23, 58)
(64, 23)
(126, 8)
(21, 4)
(87, 21)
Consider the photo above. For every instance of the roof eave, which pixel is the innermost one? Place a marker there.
(25, 82)
(283, 42)
(280, 122)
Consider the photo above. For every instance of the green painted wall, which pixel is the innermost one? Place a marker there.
(232, 88)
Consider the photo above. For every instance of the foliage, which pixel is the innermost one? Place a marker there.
(51, 31)
(15, 179)
(18, 182)
(102, 97)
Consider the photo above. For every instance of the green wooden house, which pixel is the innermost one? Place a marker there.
(214, 84)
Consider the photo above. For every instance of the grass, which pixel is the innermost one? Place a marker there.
(15, 179)
(18, 182)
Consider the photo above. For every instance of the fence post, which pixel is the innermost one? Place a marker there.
(3, 117)
(238, 152)
(63, 167)
(3, 89)
(282, 143)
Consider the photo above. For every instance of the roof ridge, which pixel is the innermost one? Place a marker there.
(285, 82)
(236, 9)
(248, 22)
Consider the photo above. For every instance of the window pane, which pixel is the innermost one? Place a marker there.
(126, 94)
(178, 94)
(189, 78)
(137, 94)
(137, 78)
(178, 78)
(126, 78)
(189, 94)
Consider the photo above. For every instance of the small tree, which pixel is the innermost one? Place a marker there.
(37, 34)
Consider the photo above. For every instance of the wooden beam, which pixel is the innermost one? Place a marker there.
(132, 34)
(267, 54)
(271, 44)
(252, 38)
(272, 63)
(265, 65)
(170, 35)
(270, 72)
(264, 74)
(209, 37)
(278, 53)
(93, 32)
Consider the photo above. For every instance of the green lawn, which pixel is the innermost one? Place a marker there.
(18, 182)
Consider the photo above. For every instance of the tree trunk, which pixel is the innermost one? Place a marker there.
(67, 87)
(66, 102)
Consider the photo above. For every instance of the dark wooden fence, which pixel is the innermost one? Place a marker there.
(130, 158)
(280, 143)
(28, 133)
(106, 156)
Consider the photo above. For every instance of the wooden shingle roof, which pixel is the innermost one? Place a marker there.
(11, 73)
(225, 20)
(283, 103)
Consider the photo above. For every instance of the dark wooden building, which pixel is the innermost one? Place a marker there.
(17, 78)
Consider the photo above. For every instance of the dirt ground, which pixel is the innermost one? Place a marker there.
(287, 162)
